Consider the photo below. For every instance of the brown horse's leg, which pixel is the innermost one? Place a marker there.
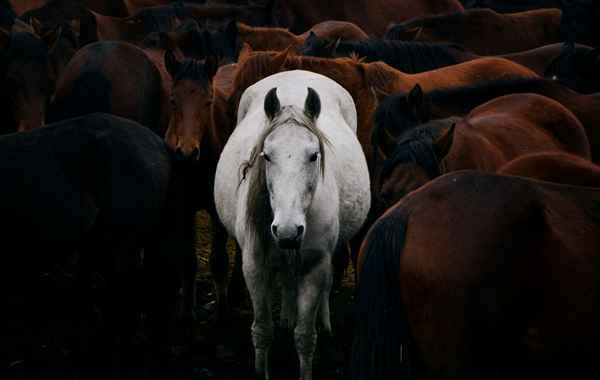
(341, 259)
(237, 286)
(219, 267)
(190, 268)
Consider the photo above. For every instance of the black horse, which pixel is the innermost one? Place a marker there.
(80, 200)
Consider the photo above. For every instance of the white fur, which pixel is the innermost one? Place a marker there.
(338, 208)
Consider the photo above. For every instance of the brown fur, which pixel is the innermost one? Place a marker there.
(371, 15)
(540, 59)
(495, 276)
(582, 106)
(485, 31)
(555, 167)
(489, 137)
(277, 39)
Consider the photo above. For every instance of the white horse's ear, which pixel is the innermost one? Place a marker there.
(312, 105)
(272, 105)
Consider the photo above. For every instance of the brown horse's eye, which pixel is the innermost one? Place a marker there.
(313, 157)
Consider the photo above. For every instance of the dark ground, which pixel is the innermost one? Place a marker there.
(49, 347)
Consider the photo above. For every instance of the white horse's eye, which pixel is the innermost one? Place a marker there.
(313, 157)
(265, 156)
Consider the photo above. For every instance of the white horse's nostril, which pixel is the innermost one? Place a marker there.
(300, 231)
(274, 229)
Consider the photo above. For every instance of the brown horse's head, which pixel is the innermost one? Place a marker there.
(191, 98)
(320, 47)
(417, 160)
(27, 74)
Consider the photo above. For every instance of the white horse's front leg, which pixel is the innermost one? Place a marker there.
(258, 279)
(312, 287)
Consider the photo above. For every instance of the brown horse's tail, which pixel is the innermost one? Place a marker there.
(382, 334)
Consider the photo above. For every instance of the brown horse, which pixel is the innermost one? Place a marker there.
(481, 276)
(29, 67)
(197, 135)
(99, 79)
(361, 79)
(277, 39)
(555, 167)
(459, 101)
(133, 28)
(483, 30)
(577, 67)
(370, 15)
(489, 137)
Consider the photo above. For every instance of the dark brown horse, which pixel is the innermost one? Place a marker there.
(576, 66)
(408, 57)
(479, 276)
(459, 101)
(555, 167)
(28, 71)
(99, 79)
(94, 187)
(276, 39)
(483, 30)
(489, 137)
(371, 16)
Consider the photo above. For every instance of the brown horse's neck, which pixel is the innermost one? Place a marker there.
(385, 78)
(268, 38)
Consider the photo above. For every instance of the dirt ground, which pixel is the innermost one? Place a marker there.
(48, 348)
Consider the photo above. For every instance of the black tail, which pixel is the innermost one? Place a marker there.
(381, 334)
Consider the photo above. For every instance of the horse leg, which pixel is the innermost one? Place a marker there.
(237, 287)
(219, 268)
(258, 280)
(190, 268)
(312, 289)
(341, 258)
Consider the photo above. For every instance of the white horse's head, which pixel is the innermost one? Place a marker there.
(293, 158)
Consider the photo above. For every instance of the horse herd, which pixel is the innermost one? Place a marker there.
(450, 153)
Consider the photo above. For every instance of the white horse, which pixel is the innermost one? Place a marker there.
(292, 186)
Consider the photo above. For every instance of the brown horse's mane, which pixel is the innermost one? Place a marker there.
(258, 208)
(259, 65)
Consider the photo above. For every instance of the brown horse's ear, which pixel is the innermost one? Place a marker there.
(245, 52)
(336, 45)
(243, 28)
(4, 38)
(231, 31)
(212, 66)
(51, 37)
(379, 94)
(413, 33)
(420, 104)
(311, 38)
(443, 144)
(36, 25)
(171, 63)
(272, 105)
(312, 104)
